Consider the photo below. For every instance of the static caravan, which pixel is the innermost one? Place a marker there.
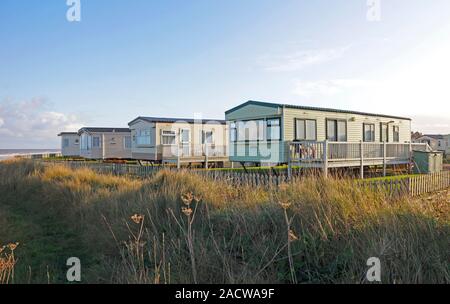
(178, 140)
(70, 144)
(105, 143)
(436, 142)
(316, 137)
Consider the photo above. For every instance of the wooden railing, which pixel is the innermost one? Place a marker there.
(327, 154)
(307, 151)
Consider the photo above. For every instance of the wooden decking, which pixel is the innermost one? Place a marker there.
(325, 155)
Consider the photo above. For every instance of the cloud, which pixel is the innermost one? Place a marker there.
(32, 124)
(328, 88)
(299, 60)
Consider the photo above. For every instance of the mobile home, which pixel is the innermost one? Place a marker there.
(70, 144)
(105, 143)
(436, 142)
(178, 140)
(316, 137)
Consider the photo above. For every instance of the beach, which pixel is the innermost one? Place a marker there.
(12, 153)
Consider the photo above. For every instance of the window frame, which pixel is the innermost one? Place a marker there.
(396, 134)
(173, 134)
(233, 131)
(267, 127)
(125, 142)
(93, 142)
(147, 135)
(203, 133)
(364, 132)
(304, 120)
(265, 134)
(336, 126)
(387, 131)
(181, 136)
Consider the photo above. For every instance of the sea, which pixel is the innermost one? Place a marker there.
(11, 153)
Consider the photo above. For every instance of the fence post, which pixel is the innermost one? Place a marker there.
(411, 156)
(361, 150)
(325, 158)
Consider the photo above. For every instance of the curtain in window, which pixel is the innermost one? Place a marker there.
(168, 138)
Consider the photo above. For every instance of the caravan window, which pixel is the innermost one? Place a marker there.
(96, 142)
(336, 130)
(384, 132)
(396, 134)
(369, 132)
(306, 129)
(127, 142)
(273, 129)
(86, 142)
(143, 137)
(185, 137)
(168, 137)
(233, 132)
(207, 137)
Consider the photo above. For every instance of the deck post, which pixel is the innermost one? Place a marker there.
(289, 160)
(384, 159)
(325, 158)
(361, 150)
(179, 157)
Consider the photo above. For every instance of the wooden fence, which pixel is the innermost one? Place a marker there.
(411, 185)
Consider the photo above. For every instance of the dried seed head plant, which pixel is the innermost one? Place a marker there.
(7, 263)
(187, 198)
(186, 211)
(137, 218)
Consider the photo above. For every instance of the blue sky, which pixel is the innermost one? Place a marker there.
(176, 58)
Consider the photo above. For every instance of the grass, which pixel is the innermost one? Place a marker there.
(177, 227)
(393, 177)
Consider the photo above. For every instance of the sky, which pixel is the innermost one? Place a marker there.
(180, 58)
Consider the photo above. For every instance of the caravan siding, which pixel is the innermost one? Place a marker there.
(148, 137)
(251, 150)
(144, 150)
(70, 144)
(105, 146)
(354, 122)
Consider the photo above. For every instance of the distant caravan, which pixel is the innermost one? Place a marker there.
(105, 143)
(70, 144)
(179, 141)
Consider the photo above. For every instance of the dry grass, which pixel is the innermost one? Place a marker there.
(188, 229)
(7, 263)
